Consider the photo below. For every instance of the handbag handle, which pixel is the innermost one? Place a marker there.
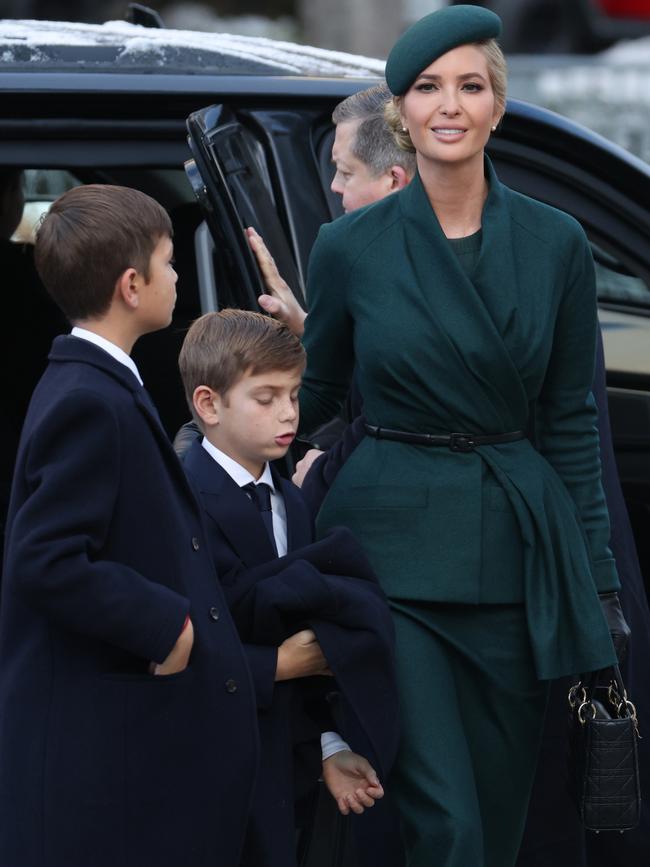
(581, 696)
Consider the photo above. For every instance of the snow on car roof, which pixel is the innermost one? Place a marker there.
(121, 46)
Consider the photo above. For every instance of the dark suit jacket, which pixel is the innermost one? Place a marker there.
(271, 598)
(100, 762)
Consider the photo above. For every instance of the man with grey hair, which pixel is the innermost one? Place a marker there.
(369, 163)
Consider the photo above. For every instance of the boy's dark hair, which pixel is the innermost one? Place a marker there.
(219, 348)
(89, 237)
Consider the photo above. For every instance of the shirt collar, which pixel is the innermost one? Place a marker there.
(112, 349)
(240, 475)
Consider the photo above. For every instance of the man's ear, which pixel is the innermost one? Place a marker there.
(398, 178)
(207, 404)
(127, 288)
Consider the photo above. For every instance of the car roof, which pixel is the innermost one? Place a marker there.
(118, 46)
(75, 61)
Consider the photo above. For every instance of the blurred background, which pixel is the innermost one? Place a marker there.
(586, 59)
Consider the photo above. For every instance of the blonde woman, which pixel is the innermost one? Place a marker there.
(463, 304)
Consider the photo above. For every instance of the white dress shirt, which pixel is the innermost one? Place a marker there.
(331, 742)
(112, 349)
(241, 477)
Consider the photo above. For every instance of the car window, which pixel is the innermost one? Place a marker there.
(616, 284)
(323, 141)
(41, 187)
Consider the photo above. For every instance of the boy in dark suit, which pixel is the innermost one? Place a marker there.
(127, 718)
(242, 373)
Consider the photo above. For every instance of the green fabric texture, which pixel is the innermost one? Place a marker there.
(437, 352)
(468, 250)
(434, 35)
(472, 713)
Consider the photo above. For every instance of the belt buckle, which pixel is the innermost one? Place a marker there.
(460, 442)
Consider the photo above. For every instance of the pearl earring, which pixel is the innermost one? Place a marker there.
(494, 127)
(404, 129)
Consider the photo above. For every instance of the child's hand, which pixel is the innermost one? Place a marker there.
(351, 781)
(179, 655)
(300, 656)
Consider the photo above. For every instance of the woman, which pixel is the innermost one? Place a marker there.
(469, 311)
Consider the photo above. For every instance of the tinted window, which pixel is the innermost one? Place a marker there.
(616, 283)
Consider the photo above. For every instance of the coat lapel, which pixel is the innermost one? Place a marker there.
(228, 506)
(464, 315)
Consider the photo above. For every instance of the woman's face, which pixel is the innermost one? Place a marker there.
(450, 108)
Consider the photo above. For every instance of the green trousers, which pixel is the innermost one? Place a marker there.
(472, 715)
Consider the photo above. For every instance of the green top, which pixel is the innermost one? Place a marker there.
(468, 250)
(437, 351)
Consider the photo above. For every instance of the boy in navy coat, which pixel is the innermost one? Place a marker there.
(242, 373)
(128, 731)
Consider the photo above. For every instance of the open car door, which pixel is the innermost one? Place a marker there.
(231, 175)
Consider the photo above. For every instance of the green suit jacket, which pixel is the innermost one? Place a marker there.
(437, 352)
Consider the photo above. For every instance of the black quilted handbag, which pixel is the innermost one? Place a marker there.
(603, 761)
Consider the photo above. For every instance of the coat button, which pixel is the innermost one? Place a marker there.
(214, 613)
(195, 543)
(231, 686)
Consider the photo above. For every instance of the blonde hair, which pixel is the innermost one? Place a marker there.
(498, 72)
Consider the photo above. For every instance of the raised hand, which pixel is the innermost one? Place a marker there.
(280, 302)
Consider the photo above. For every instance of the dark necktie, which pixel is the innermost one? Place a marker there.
(261, 496)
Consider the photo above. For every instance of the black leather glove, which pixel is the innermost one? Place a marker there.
(617, 624)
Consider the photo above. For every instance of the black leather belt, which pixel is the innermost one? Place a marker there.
(456, 442)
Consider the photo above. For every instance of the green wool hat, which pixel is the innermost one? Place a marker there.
(434, 35)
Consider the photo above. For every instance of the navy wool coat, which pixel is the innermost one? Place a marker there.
(330, 587)
(101, 762)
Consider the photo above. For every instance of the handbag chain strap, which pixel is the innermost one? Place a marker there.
(581, 694)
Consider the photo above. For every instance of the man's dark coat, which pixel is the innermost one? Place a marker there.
(271, 598)
(101, 763)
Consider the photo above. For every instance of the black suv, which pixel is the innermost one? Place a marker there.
(228, 132)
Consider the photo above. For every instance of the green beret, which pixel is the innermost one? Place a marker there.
(434, 35)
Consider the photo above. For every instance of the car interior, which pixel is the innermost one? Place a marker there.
(155, 354)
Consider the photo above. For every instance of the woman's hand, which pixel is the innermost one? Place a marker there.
(280, 302)
(351, 781)
(616, 623)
